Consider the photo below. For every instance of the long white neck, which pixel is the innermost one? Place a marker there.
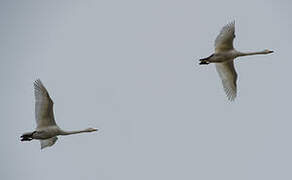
(253, 53)
(64, 133)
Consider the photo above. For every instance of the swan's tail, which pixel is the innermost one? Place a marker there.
(26, 136)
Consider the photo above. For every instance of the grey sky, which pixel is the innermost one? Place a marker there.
(130, 69)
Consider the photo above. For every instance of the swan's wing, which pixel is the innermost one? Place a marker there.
(224, 40)
(228, 76)
(44, 114)
(48, 142)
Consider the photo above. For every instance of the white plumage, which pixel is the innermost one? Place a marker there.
(224, 59)
(47, 130)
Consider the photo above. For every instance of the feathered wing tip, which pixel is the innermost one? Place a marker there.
(232, 22)
(224, 40)
(40, 91)
(228, 77)
(38, 86)
(48, 142)
(230, 25)
(231, 92)
(38, 83)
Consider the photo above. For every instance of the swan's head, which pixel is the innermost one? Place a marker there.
(268, 51)
(91, 129)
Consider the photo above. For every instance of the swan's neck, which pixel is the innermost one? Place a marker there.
(62, 132)
(253, 53)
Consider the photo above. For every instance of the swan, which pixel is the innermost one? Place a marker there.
(224, 59)
(47, 130)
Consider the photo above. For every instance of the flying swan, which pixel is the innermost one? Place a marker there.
(47, 130)
(224, 56)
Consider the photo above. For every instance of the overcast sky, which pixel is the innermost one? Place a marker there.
(130, 68)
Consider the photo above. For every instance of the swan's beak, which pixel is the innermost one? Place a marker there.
(268, 51)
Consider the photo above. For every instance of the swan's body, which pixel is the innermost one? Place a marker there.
(47, 130)
(224, 56)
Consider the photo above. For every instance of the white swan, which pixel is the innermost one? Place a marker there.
(224, 56)
(47, 130)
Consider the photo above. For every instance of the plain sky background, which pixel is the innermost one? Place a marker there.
(130, 68)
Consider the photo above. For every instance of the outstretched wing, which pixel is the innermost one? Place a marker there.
(228, 76)
(224, 40)
(48, 142)
(44, 114)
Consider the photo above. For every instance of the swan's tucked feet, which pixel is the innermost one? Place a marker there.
(26, 136)
(204, 62)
